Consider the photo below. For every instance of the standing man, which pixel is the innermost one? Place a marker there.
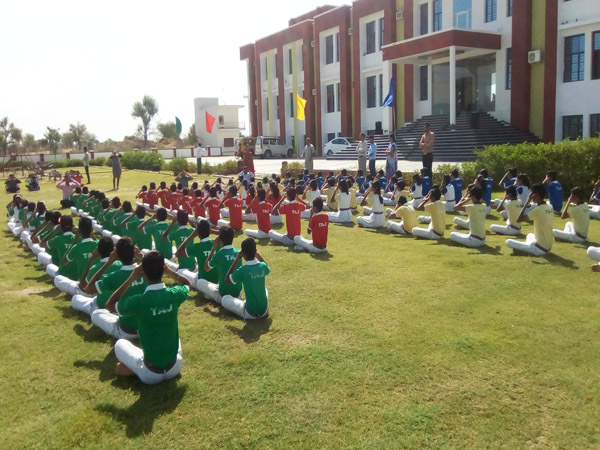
(372, 155)
(86, 163)
(248, 157)
(198, 151)
(361, 150)
(308, 155)
(116, 168)
(426, 145)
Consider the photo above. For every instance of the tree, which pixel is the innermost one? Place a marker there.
(168, 130)
(53, 137)
(192, 137)
(145, 111)
(78, 132)
(9, 134)
(29, 143)
(67, 140)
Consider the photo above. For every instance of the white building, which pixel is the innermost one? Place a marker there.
(227, 125)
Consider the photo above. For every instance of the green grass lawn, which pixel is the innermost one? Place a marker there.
(386, 342)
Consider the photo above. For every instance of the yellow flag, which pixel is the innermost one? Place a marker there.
(300, 104)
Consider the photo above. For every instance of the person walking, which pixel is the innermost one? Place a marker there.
(372, 155)
(426, 145)
(86, 163)
(308, 155)
(391, 160)
(361, 151)
(116, 168)
(198, 151)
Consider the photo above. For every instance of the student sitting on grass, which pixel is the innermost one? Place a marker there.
(34, 223)
(220, 260)
(74, 261)
(262, 209)
(235, 207)
(554, 190)
(318, 226)
(425, 181)
(416, 191)
(51, 223)
(130, 226)
(360, 179)
(313, 190)
(375, 217)
(57, 242)
(408, 217)
(199, 251)
(327, 193)
(538, 243)
(594, 253)
(252, 276)
(344, 215)
(292, 211)
(476, 211)
(273, 197)
(26, 213)
(155, 226)
(512, 206)
(594, 201)
(155, 311)
(579, 211)
(449, 194)
(178, 236)
(433, 205)
(123, 214)
(213, 204)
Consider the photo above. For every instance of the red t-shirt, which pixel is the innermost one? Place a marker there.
(272, 200)
(185, 203)
(235, 206)
(214, 209)
(143, 196)
(319, 224)
(152, 198)
(165, 198)
(173, 199)
(199, 211)
(263, 215)
(292, 217)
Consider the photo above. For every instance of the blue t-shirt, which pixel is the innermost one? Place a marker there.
(509, 182)
(383, 183)
(597, 195)
(555, 195)
(487, 194)
(457, 183)
(372, 151)
(359, 182)
(320, 181)
(426, 183)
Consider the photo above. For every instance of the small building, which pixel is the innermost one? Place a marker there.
(227, 126)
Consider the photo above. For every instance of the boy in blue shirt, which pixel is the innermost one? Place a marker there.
(360, 180)
(489, 186)
(425, 181)
(554, 190)
(457, 182)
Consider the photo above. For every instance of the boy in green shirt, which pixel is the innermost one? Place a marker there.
(57, 242)
(142, 240)
(252, 276)
(155, 310)
(156, 226)
(221, 260)
(72, 265)
(199, 251)
(178, 236)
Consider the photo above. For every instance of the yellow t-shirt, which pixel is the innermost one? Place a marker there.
(542, 216)
(513, 209)
(477, 213)
(409, 217)
(581, 218)
(331, 202)
(353, 203)
(438, 216)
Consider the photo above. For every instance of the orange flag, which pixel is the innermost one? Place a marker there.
(210, 121)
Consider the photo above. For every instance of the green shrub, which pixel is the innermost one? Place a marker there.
(98, 161)
(176, 165)
(467, 170)
(140, 160)
(225, 168)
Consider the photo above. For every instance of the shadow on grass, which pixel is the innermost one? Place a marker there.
(106, 367)
(252, 329)
(43, 277)
(486, 250)
(321, 256)
(344, 224)
(153, 402)
(92, 334)
(68, 312)
(553, 258)
(52, 293)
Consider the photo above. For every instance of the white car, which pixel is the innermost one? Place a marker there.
(337, 145)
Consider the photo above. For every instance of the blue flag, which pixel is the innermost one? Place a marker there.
(390, 100)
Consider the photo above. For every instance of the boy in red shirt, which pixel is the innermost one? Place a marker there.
(262, 209)
(318, 226)
(163, 195)
(235, 206)
(143, 196)
(173, 196)
(199, 210)
(152, 197)
(292, 211)
(185, 202)
(213, 205)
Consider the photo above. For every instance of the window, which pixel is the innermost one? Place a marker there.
(221, 121)
(371, 92)
(339, 97)
(462, 14)
(572, 127)
(574, 58)
(278, 111)
(491, 10)
(508, 68)
(330, 136)
(337, 47)
(509, 8)
(329, 49)
(228, 142)
(330, 98)
(276, 65)
(437, 15)
(424, 74)
(596, 55)
(290, 62)
(381, 36)
(424, 18)
(594, 125)
(292, 102)
(370, 37)
(380, 90)
(301, 58)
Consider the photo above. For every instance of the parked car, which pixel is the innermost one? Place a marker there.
(337, 145)
(268, 147)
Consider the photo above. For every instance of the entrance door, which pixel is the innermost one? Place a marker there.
(464, 94)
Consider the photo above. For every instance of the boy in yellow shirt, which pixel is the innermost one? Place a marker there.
(407, 214)
(476, 210)
(578, 210)
(433, 205)
(512, 205)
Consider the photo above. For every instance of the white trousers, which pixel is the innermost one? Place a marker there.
(249, 217)
(44, 258)
(225, 213)
(528, 246)
(396, 227)
(568, 234)
(424, 219)
(281, 238)
(37, 249)
(367, 210)
(190, 275)
(467, 240)
(98, 228)
(595, 211)
(305, 214)
(256, 234)
(425, 233)
(133, 358)
(209, 290)
(74, 211)
(238, 307)
(71, 287)
(389, 201)
(594, 253)
(462, 223)
(17, 230)
(109, 323)
(449, 206)
(308, 245)
(84, 303)
(341, 216)
(52, 270)
(276, 219)
(505, 229)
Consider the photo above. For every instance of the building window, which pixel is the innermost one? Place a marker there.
(221, 121)
(330, 98)
(292, 102)
(371, 92)
(330, 136)
(594, 125)
(228, 142)
(424, 18)
(290, 62)
(462, 14)
(572, 127)
(278, 110)
(381, 36)
(276, 65)
(437, 15)
(596, 55)
(509, 8)
(301, 58)
(339, 97)
(380, 90)
(508, 68)
(491, 10)
(329, 49)
(424, 75)
(574, 58)
(370, 37)
(337, 47)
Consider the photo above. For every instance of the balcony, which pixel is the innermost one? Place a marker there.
(231, 125)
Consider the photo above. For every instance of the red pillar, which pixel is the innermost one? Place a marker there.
(41, 157)
(68, 155)
(174, 152)
(520, 107)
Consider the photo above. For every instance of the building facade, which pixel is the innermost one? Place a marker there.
(226, 128)
(532, 63)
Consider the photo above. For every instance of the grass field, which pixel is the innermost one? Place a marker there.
(386, 342)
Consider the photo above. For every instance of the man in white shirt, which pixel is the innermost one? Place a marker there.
(308, 155)
(361, 151)
(246, 175)
(198, 151)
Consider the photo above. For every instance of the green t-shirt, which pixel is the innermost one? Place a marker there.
(179, 236)
(155, 312)
(37, 221)
(22, 214)
(157, 229)
(80, 199)
(252, 276)
(200, 251)
(141, 239)
(118, 219)
(109, 283)
(222, 261)
(107, 219)
(78, 258)
(58, 246)
(98, 264)
(96, 210)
